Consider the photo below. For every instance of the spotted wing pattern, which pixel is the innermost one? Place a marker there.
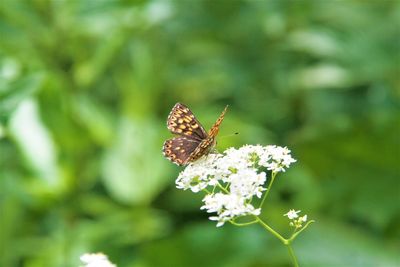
(181, 121)
(179, 149)
(208, 143)
(193, 141)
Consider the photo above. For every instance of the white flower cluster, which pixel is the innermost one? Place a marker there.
(235, 177)
(96, 260)
(296, 220)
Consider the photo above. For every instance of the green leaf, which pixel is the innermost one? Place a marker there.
(15, 92)
(133, 167)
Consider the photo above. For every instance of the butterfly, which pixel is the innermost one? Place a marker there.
(192, 141)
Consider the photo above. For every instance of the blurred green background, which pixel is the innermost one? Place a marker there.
(85, 89)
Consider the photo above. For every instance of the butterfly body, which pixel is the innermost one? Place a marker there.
(192, 141)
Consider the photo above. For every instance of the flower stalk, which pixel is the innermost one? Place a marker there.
(235, 179)
(268, 189)
(292, 255)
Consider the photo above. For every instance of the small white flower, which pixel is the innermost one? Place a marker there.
(227, 207)
(294, 218)
(276, 158)
(214, 203)
(234, 177)
(299, 222)
(96, 260)
(247, 183)
(198, 175)
(292, 214)
(303, 218)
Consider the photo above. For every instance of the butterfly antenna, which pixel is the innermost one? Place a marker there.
(228, 135)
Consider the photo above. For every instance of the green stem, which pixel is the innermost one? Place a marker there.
(268, 189)
(227, 186)
(242, 224)
(301, 230)
(272, 231)
(205, 190)
(222, 188)
(291, 253)
(286, 242)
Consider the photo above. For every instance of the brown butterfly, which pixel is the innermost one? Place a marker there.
(192, 141)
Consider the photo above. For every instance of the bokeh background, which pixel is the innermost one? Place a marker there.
(85, 89)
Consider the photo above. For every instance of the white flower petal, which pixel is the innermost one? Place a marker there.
(235, 178)
(96, 260)
(292, 214)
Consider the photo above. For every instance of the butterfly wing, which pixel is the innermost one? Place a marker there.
(179, 149)
(202, 149)
(182, 121)
(208, 143)
(193, 141)
(215, 129)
